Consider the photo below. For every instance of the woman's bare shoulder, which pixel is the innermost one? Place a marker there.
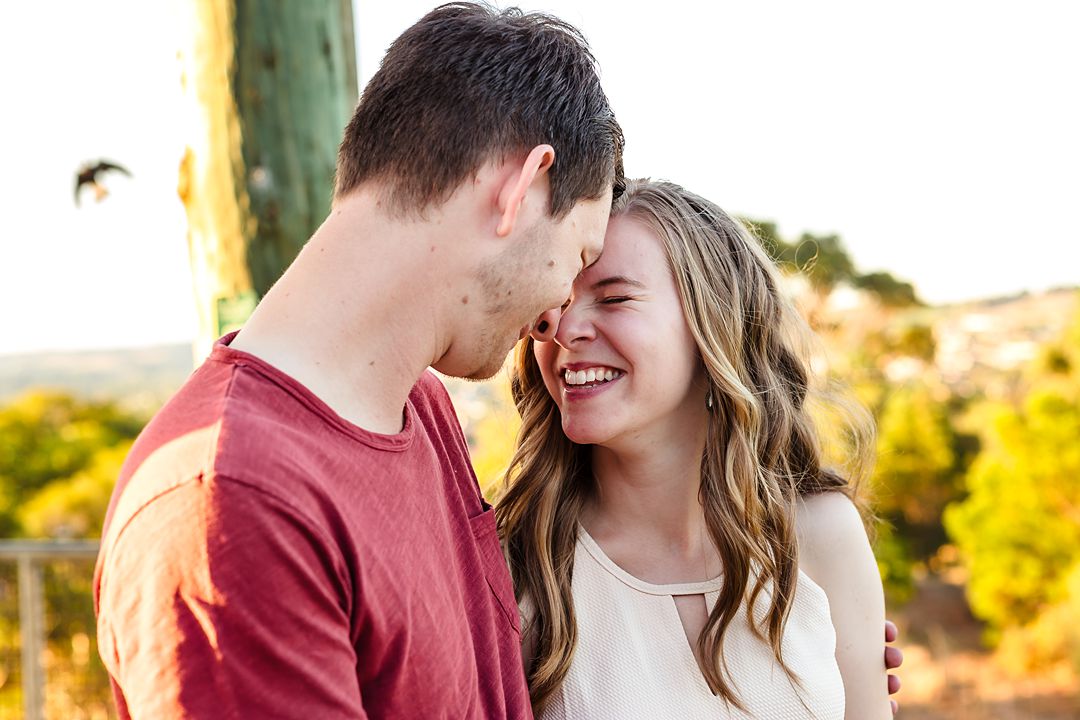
(829, 529)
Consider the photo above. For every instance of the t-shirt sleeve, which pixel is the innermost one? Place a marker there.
(219, 600)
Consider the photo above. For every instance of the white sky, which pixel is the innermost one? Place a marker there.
(940, 139)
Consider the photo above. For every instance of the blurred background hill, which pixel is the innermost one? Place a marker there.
(140, 378)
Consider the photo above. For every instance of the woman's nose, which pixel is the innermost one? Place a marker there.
(574, 325)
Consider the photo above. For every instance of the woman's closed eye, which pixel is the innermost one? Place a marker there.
(614, 300)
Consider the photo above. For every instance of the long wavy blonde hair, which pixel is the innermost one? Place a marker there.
(761, 452)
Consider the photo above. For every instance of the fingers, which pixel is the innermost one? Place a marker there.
(894, 658)
(894, 687)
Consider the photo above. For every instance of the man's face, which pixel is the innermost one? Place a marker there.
(537, 274)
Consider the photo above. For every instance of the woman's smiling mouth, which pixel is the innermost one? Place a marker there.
(579, 382)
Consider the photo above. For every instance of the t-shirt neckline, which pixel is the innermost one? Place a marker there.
(396, 442)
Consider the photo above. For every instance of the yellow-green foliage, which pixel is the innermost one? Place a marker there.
(48, 441)
(894, 562)
(493, 445)
(75, 506)
(1019, 529)
(59, 458)
(1052, 638)
(914, 479)
(915, 459)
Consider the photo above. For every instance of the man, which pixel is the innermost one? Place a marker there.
(298, 533)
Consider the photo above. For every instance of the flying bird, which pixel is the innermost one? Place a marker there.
(90, 174)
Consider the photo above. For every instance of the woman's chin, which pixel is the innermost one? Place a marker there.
(584, 433)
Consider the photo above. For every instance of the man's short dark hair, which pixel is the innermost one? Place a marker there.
(468, 83)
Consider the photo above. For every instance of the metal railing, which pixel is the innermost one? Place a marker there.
(30, 556)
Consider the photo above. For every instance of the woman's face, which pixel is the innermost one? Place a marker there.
(623, 365)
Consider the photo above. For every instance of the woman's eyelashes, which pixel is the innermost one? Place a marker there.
(613, 300)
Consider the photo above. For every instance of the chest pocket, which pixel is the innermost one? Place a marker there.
(494, 565)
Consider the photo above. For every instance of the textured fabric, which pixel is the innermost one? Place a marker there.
(633, 659)
(264, 558)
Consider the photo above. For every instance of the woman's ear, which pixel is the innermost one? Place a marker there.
(512, 193)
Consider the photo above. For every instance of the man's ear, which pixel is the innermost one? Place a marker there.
(512, 193)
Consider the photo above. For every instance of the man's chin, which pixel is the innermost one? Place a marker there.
(489, 369)
(485, 374)
(481, 367)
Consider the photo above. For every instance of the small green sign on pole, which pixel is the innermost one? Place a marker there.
(232, 312)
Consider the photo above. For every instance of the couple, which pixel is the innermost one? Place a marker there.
(298, 533)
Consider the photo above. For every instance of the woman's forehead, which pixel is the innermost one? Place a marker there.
(633, 254)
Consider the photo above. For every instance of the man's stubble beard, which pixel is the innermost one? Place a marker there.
(493, 356)
(500, 329)
(507, 305)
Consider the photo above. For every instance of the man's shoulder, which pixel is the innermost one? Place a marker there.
(429, 387)
(212, 421)
(433, 404)
(175, 446)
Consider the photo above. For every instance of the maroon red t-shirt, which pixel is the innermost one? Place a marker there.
(263, 558)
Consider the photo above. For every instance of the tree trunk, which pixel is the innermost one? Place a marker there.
(271, 84)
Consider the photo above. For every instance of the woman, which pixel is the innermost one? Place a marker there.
(677, 546)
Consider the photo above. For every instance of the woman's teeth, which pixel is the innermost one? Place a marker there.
(591, 375)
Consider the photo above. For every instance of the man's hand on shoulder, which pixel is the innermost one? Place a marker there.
(894, 658)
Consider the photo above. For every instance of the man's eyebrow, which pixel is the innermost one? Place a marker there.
(617, 280)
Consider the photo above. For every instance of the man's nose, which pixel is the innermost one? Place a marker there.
(545, 327)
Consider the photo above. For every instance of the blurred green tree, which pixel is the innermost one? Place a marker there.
(915, 340)
(915, 478)
(822, 258)
(1018, 529)
(74, 507)
(271, 88)
(46, 437)
(891, 292)
(825, 262)
(59, 458)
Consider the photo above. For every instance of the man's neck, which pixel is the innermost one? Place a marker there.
(357, 317)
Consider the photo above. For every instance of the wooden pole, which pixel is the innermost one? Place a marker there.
(271, 85)
(31, 637)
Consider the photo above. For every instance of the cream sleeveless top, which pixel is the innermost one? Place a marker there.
(633, 659)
